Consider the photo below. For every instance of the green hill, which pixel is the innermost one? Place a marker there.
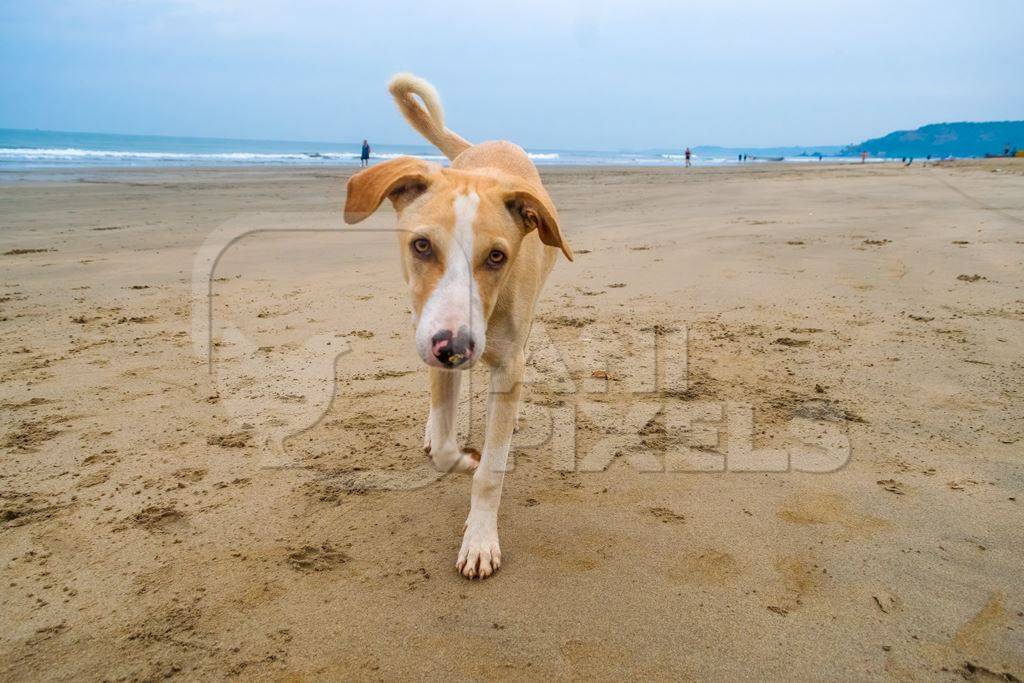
(962, 139)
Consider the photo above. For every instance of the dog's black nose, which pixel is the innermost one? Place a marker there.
(452, 350)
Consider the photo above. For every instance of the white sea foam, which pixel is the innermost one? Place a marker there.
(395, 155)
(73, 156)
(74, 153)
(70, 155)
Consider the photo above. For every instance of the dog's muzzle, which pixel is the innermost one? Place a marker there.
(453, 350)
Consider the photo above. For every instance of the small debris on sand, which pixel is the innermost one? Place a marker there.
(892, 486)
(19, 252)
(789, 341)
(232, 440)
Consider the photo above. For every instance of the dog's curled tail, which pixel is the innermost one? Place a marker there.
(430, 121)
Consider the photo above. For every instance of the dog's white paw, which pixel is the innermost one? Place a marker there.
(480, 555)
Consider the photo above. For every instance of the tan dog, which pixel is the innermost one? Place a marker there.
(477, 242)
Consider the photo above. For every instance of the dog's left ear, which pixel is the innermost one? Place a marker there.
(401, 180)
(532, 206)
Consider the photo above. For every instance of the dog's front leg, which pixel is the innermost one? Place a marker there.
(442, 438)
(480, 554)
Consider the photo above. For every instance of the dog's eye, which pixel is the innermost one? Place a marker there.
(496, 258)
(421, 246)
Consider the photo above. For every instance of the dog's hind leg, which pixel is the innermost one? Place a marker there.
(480, 554)
(441, 437)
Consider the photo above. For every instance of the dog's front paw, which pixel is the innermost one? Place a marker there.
(452, 459)
(480, 555)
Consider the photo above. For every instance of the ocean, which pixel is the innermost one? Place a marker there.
(27, 149)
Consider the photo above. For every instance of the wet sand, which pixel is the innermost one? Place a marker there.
(266, 511)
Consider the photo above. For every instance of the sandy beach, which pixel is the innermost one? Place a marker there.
(223, 476)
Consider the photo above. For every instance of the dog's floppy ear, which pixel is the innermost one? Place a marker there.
(401, 180)
(532, 206)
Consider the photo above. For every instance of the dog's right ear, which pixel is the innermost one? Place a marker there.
(401, 180)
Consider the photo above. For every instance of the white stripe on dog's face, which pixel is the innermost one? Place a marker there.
(454, 306)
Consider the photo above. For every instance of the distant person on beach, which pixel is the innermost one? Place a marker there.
(687, 155)
(863, 156)
(364, 157)
(739, 158)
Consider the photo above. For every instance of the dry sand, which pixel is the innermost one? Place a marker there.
(144, 536)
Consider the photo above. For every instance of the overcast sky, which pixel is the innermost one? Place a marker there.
(572, 75)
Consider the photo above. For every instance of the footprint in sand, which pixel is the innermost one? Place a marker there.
(706, 567)
(800, 576)
(158, 518)
(311, 558)
(829, 508)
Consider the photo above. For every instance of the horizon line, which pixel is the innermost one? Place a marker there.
(425, 145)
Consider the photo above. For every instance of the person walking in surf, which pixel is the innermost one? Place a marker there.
(364, 157)
(687, 155)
